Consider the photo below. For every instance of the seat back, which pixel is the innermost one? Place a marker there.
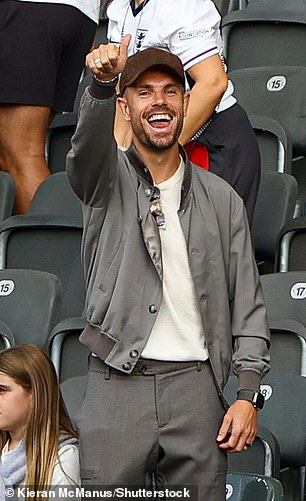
(277, 92)
(222, 6)
(249, 32)
(291, 251)
(274, 144)
(85, 82)
(49, 243)
(288, 346)
(247, 487)
(58, 141)
(55, 196)
(263, 458)
(285, 389)
(30, 304)
(7, 339)
(69, 356)
(285, 295)
(73, 391)
(274, 208)
(7, 195)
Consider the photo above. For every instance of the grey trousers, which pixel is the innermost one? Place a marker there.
(161, 421)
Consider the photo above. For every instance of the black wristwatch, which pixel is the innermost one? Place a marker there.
(255, 397)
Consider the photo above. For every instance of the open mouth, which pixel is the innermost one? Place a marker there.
(159, 120)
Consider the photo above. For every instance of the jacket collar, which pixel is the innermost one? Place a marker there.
(143, 172)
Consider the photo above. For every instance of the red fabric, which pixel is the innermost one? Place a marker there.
(198, 154)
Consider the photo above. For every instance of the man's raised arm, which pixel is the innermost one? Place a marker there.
(92, 160)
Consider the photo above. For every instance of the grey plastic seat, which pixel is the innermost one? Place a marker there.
(247, 487)
(85, 82)
(274, 208)
(285, 295)
(285, 298)
(49, 243)
(274, 143)
(277, 92)
(288, 346)
(263, 458)
(265, 33)
(69, 356)
(7, 339)
(222, 6)
(7, 195)
(30, 305)
(101, 32)
(55, 196)
(291, 255)
(73, 391)
(58, 141)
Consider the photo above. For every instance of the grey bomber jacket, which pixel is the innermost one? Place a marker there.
(121, 253)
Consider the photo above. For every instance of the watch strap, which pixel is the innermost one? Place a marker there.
(255, 397)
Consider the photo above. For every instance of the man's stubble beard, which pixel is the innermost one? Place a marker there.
(155, 143)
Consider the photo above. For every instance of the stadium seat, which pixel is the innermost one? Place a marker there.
(85, 82)
(274, 207)
(7, 195)
(30, 304)
(7, 339)
(101, 33)
(55, 196)
(276, 92)
(291, 255)
(265, 33)
(69, 356)
(285, 295)
(50, 243)
(73, 391)
(288, 346)
(247, 487)
(48, 238)
(263, 458)
(222, 6)
(274, 144)
(58, 141)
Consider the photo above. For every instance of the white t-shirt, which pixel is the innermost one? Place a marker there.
(178, 332)
(188, 29)
(91, 8)
(65, 473)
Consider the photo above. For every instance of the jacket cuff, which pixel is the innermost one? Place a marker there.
(102, 91)
(249, 380)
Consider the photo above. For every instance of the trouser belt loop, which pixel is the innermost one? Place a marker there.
(199, 366)
(107, 372)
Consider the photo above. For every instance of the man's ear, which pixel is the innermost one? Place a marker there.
(186, 102)
(123, 105)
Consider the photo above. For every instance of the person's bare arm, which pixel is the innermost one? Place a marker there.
(210, 84)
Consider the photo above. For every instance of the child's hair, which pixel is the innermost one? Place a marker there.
(48, 422)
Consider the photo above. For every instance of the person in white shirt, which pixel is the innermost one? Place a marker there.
(38, 444)
(191, 30)
(43, 45)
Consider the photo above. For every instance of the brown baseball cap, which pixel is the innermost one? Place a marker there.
(147, 59)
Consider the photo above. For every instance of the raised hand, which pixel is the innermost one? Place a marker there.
(107, 61)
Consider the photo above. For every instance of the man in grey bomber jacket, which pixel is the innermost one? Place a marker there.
(173, 294)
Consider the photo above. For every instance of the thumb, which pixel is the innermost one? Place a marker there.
(125, 42)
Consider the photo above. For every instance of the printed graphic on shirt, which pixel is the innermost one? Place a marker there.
(140, 36)
(201, 32)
